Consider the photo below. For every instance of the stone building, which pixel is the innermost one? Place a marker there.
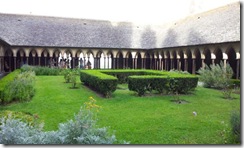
(188, 45)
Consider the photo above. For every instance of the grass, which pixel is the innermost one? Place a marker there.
(140, 120)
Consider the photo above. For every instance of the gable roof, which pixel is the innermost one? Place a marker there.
(215, 26)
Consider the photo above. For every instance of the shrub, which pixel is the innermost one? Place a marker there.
(73, 77)
(236, 126)
(67, 75)
(216, 76)
(5, 80)
(103, 83)
(28, 118)
(170, 83)
(40, 70)
(21, 89)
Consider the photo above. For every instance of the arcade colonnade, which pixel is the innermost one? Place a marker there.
(188, 58)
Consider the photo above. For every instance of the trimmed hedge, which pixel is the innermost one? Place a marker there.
(123, 75)
(182, 84)
(7, 79)
(103, 83)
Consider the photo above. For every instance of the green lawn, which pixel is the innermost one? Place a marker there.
(140, 120)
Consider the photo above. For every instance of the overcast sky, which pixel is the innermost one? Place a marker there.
(138, 11)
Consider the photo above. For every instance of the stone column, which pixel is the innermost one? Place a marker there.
(203, 64)
(193, 66)
(178, 64)
(124, 61)
(166, 64)
(113, 63)
(186, 65)
(73, 60)
(108, 61)
(171, 64)
(142, 63)
(237, 68)
(104, 62)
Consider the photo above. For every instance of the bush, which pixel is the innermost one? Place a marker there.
(216, 76)
(67, 75)
(236, 127)
(103, 83)
(40, 70)
(123, 75)
(170, 83)
(81, 130)
(20, 89)
(5, 80)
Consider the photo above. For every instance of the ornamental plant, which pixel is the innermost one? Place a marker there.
(20, 89)
(216, 75)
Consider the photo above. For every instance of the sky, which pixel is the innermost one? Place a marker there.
(137, 11)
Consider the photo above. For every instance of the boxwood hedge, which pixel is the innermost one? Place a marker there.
(140, 81)
(167, 83)
(103, 83)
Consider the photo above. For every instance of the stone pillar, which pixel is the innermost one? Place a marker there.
(73, 60)
(160, 64)
(108, 61)
(95, 63)
(166, 64)
(171, 64)
(14, 63)
(193, 66)
(133, 63)
(142, 63)
(178, 64)
(104, 62)
(237, 68)
(186, 65)
(203, 64)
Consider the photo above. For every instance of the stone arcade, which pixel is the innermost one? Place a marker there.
(188, 44)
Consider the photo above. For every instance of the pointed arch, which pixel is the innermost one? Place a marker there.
(219, 55)
(120, 60)
(33, 57)
(8, 60)
(138, 60)
(198, 61)
(207, 55)
(129, 60)
(232, 61)
(147, 59)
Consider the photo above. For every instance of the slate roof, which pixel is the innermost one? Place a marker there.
(215, 26)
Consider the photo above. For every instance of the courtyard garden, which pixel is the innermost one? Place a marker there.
(134, 109)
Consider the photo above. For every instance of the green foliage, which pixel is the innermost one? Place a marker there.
(235, 82)
(40, 70)
(28, 118)
(67, 75)
(175, 84)
(20, 89)
(73, 77)
(236, 126)
(5, 80)
(103, 83)
(81, 130)
(216, 76)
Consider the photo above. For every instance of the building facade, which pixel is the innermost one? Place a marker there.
(189, 44)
